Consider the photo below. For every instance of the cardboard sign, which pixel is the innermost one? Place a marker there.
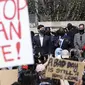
(8, 77)
(15, 42)
(64, 69)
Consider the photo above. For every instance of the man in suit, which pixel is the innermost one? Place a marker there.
(79, 39)
(41, 44)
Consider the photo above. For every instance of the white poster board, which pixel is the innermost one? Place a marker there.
(15, 42)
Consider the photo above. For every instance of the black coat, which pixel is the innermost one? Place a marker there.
(45, 49)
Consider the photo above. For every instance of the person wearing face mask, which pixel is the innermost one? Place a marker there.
(79, 39)
(62, 40)
(47, 31)
(41, 44)
(71, 31)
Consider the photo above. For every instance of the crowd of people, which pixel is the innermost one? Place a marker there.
(71, 38)
(64, 43)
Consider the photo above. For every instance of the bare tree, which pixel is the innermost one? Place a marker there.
(59, 10)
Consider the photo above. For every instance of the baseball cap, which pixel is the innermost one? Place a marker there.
(25, 67)
(58, 53)
(65, 54)
(40, 67)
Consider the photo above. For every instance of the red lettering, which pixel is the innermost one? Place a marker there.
(4, 31)
(5, 53)
(2, 0)
(13, 29)
(18, 7)
(4, 9)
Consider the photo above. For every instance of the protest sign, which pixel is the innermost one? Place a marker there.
(64, 69)
(8, 77)
(15, 40)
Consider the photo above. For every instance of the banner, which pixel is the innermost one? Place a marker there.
(64, 69)
(15, 40)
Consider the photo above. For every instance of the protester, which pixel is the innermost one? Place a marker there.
(72, 30)
(49, 33)
(74, 55)
(62, 40)
(79, 39)
(27, 76)
(41, 44)
(61, 45)
(66, 55)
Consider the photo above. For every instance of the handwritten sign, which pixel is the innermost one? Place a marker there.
(64, 69)
(15, 42)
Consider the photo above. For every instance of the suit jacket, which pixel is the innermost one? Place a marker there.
(45, 48)
(71, 34)
(79, 40)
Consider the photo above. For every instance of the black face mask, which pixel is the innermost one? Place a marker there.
(81, 31)
(61, 34)
(42, 32)
(69, 28)
(48, 33)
